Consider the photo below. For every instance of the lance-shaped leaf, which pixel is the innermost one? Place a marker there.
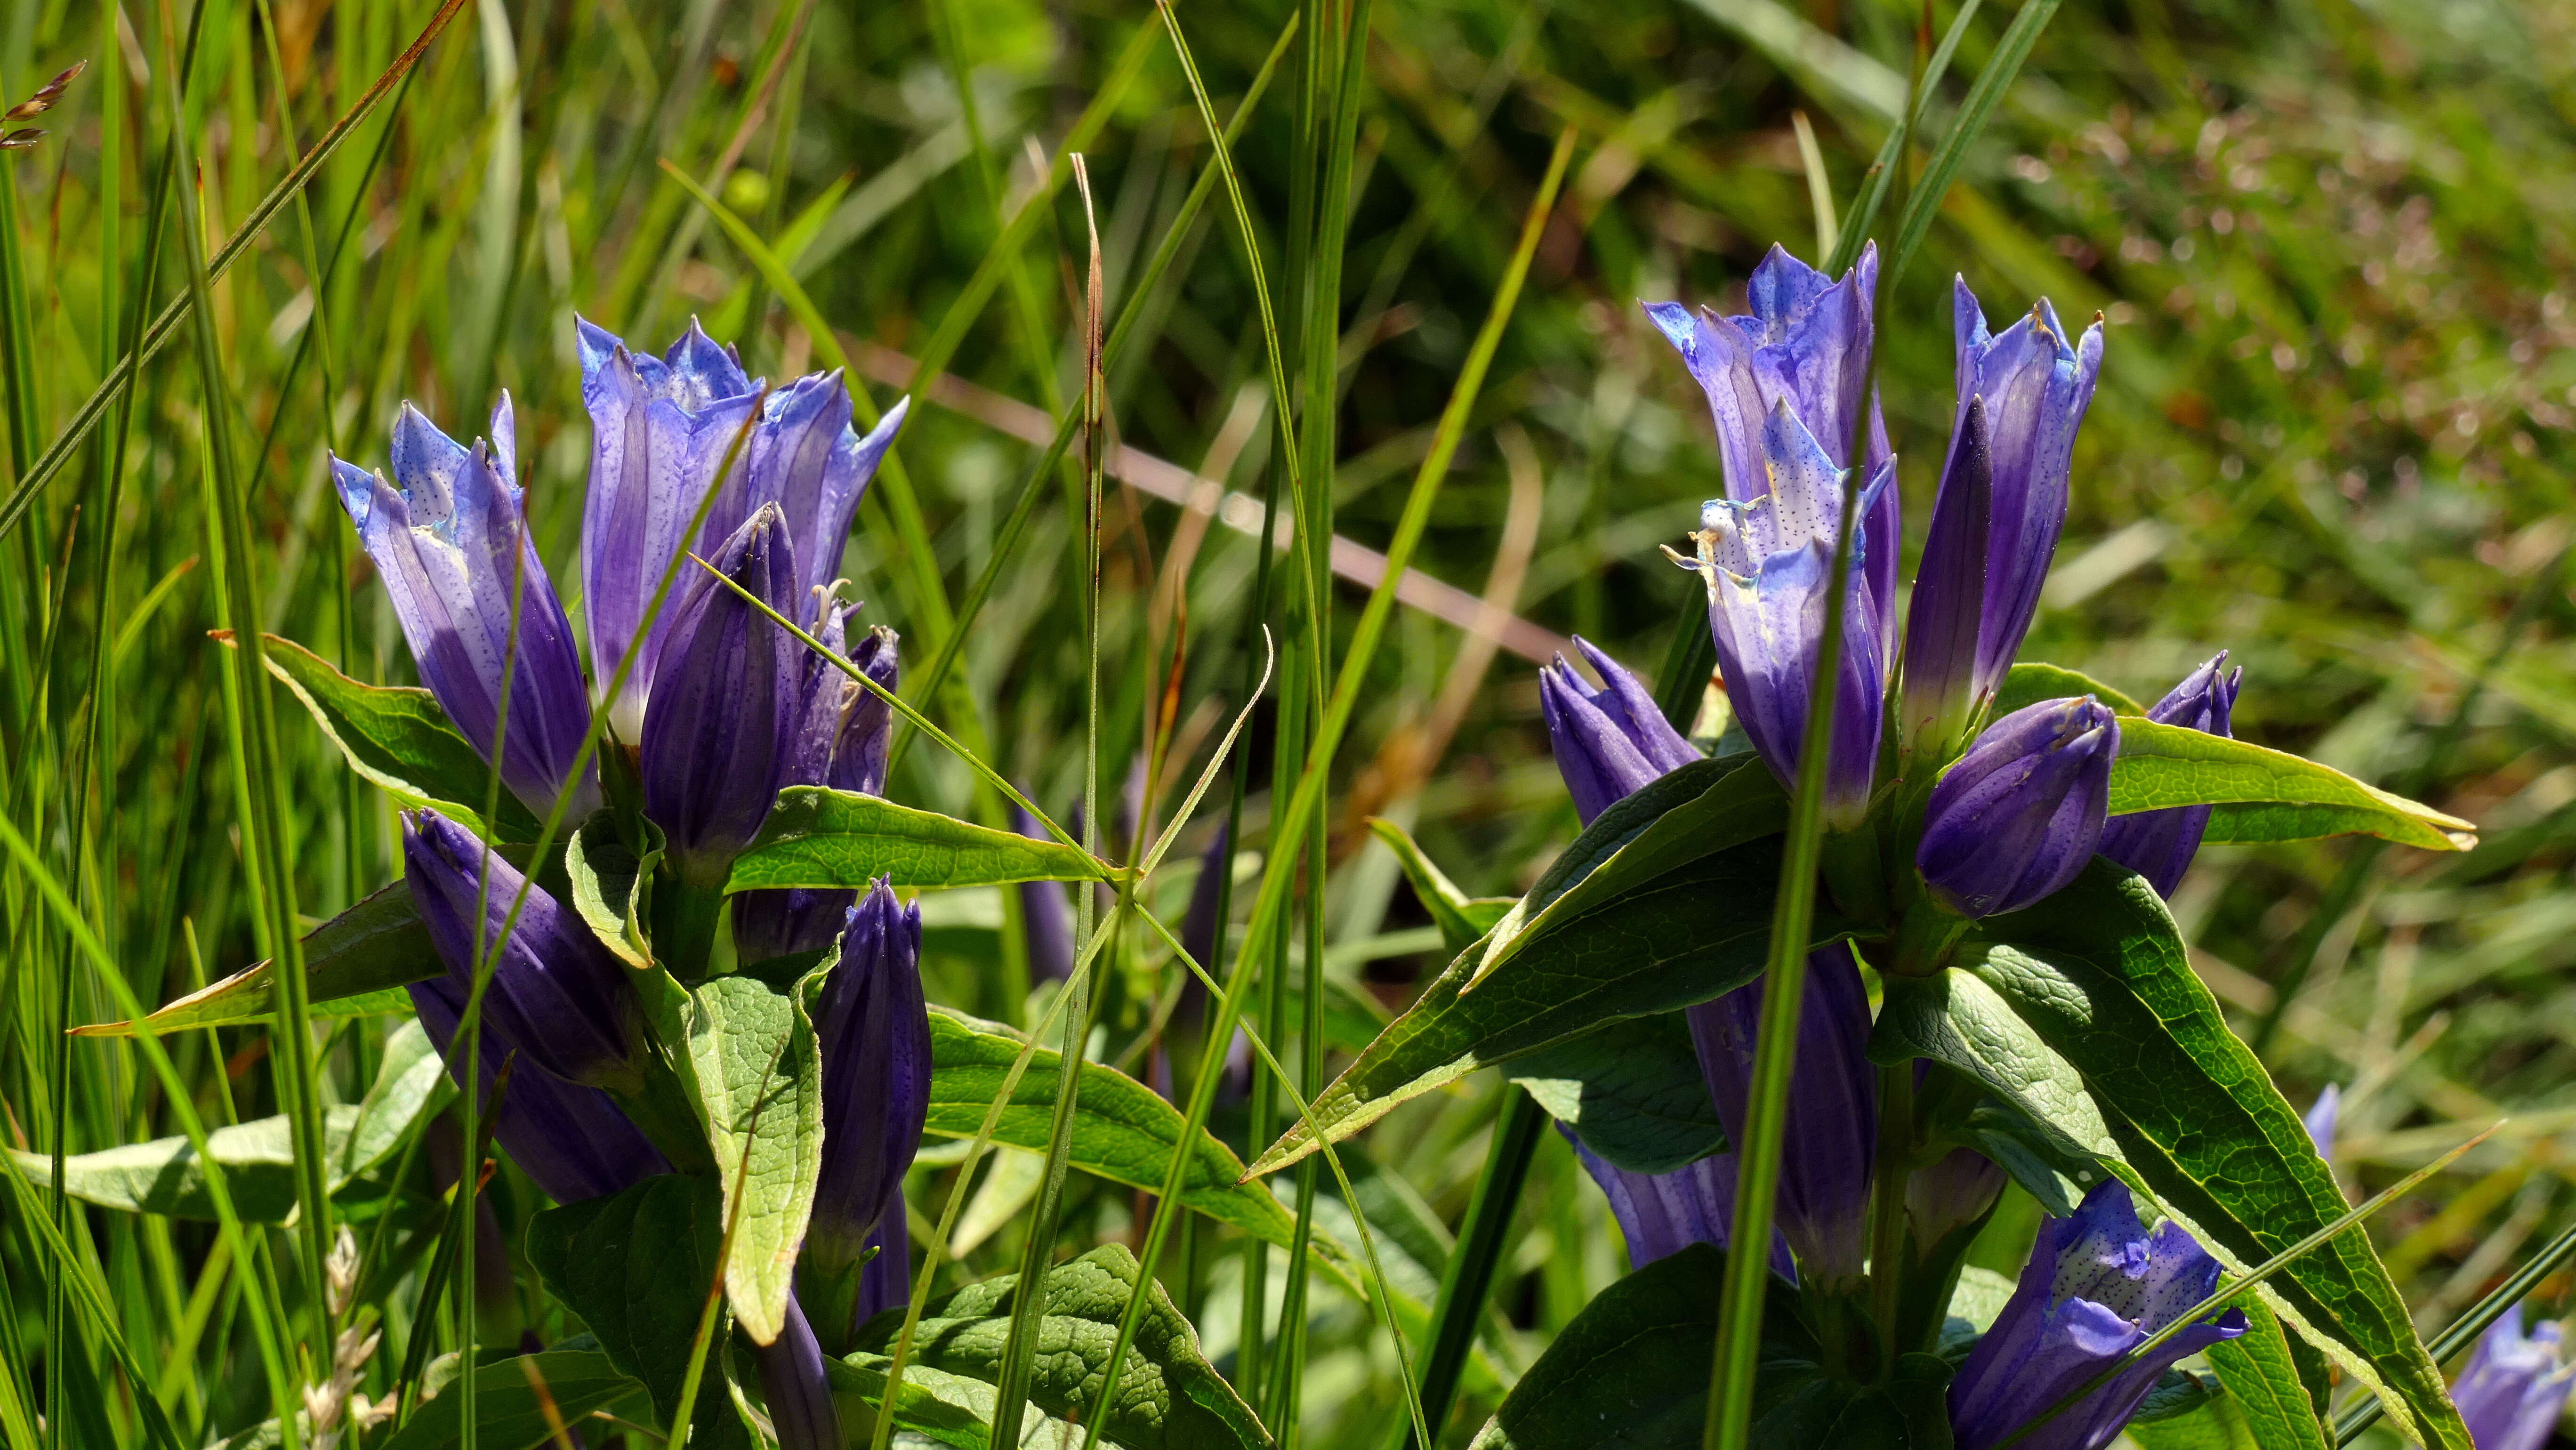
(2099, 974)
(2028, 684)
(400, 739)
(258, 1157)
(1632, 1371)
(1957, 1019)
(1123, 1130)
(2265, 795)
(511, 1400)
(1169, 1396)
(759, 1081)
(1702, 808)
(636, 1266)
(1680, 938)
(2262, 1377)
(612, 886)
(355, 965)
(1460, 917)
(835, 839)
(1631, 1090)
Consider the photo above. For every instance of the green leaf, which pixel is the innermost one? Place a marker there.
(637, 1266)
(1169, 1396)
(950, 1409)
(1702, 808)
(508, 1414)
(1632, 1090)
(1957, 1019)
(2028, 684)
(400, 739)
(2265, 795)
(411, 1084)
(832, 839)
(2219, 1424)
(2099, 974)
(1460, 917)
(1631, 1370)
(165, 1176)
(2262, 1376)
(355, 965)
(1123, 1130)
(612, 887)
(758, 1076)
(1682, 937)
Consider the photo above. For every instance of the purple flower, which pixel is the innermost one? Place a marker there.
(1950, 1194)
(2018, 816)
(452, 547)
(1046, 917)
(886, 1282)
(2002, 505)
(795, 1386)
(555, 992)
(1784, 386)
(2320, 1120)
(841, 743)
(1660, 1214)
(729, 706)
(572, 1141)
(661, 427)
(2097, 1285)
(2159, 845)
(1609, 742)
(2515, 1386)
(875, 1034)
(1832, 1131)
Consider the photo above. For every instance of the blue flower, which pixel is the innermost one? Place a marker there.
(1999, 512)
(2515, 1386)
(2159, 845)
(1784, 387)
(1609, 742)
(2097, 1285)
(796, 1387)
(555, 992)
(452, 547)
(2016, 818)
(842, 743)
(875, 1034)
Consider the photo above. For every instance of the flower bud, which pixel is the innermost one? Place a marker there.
(1609, 742)
(2096, 1286)
(555, 993)
(2159, 845)
(875, 1035)
(842, 743)
(728, 702)
(448, 539)
(2018, 816)
(796, 1386)
(574, 1142)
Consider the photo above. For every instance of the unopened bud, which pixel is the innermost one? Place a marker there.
(340, 1272)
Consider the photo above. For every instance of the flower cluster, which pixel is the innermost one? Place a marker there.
(1992, 816)
(713, 708)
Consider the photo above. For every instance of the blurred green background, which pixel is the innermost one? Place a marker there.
(2330, 240)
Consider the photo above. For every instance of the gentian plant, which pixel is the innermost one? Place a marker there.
(1995, 991)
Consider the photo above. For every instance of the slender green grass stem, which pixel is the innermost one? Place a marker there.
(1468, 1278)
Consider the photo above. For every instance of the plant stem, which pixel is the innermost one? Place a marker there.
(1469, 1275)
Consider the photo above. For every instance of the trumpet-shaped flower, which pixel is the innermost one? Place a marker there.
(2018, 816)
(2515, 1386)
(555, 993)
(1784, 387)
(841, 743)
(2096, 1286)
(2159, 845)
(2000, 509)
(452, 547)
(1769, 567)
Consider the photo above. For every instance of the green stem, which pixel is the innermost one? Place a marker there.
(1894, 1164)
(1468, 1277)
